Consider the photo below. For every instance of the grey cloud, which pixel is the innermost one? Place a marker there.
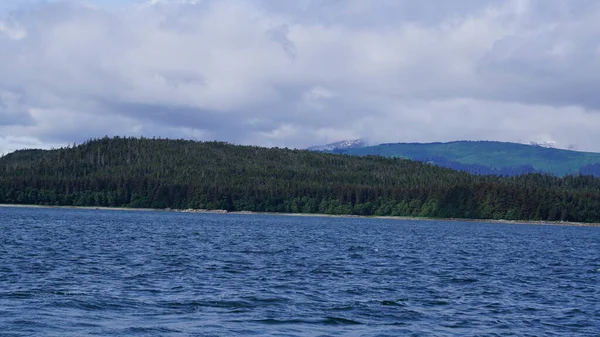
(280, 35)
(13, 110)
(213, 122)
(556, 63)
(369, 14)
(296, 73)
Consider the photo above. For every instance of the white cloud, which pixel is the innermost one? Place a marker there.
(301, 73)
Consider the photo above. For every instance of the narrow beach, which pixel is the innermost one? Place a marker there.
(401, 218)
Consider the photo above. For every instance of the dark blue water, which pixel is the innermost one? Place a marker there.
(112, 273)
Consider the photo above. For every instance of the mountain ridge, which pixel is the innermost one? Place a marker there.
(488, 157)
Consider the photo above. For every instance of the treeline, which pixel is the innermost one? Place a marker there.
(590, 169)
(478, 169)
(180, 174)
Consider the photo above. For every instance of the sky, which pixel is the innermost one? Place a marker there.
(300, 73)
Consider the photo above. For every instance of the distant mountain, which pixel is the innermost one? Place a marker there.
(489, 157)
(341, 145)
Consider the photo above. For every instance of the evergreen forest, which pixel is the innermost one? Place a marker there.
(183, 174)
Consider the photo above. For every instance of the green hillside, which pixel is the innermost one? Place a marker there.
(494, 155)
(162, 173)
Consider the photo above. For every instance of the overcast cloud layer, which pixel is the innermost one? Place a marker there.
(300, 73)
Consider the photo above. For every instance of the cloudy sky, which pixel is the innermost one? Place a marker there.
(300, 73)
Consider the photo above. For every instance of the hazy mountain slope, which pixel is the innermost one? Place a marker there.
(487, 157)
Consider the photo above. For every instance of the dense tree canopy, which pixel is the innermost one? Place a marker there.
(161, 173)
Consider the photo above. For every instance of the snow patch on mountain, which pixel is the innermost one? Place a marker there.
(344, 144)
(544, 143)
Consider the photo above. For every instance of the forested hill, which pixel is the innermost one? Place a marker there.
(180, 174)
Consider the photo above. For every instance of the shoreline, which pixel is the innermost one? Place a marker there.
(349, 216)
(409, 218)
(98, 208)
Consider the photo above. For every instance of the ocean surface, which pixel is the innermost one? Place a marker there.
(67, 272)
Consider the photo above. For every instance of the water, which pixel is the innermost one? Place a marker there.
(117, 273)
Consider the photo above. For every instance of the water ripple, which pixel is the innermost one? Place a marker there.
(84, 272)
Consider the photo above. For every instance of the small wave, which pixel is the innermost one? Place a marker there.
(268, 300)
(438, 303)
(209, 304)
(18, 295)
(321, 271)
(463, 280)
(327, 321)
(396, 303)
(458, 325)
(396, 324)
(344, 308)
(339, 321)
(258, 252)
(89, 304)
(152, 330)
(356, 248)
(281, 321)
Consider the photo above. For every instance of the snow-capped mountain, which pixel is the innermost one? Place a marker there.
(344, 144)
